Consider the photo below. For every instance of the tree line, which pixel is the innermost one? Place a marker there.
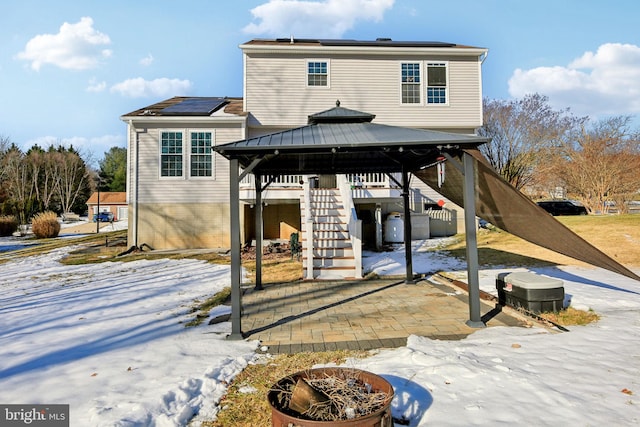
(543, 152)
(547, 153)
(56, 179)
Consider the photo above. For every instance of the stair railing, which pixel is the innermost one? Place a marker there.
(354, 224)
(308, 242)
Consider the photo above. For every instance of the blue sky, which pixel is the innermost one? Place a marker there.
(70, 68)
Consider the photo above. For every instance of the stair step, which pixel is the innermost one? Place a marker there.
(336, 262)
(330, 244)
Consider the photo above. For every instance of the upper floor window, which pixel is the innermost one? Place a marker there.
(201, 154)
(436, 83)
(171, 154)
(411, 83)
(317, 73)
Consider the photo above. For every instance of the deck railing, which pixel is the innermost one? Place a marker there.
(363, 180)
(285, 181)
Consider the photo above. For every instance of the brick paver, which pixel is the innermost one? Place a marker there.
(359, 314)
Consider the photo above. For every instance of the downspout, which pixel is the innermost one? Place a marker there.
(136, 182)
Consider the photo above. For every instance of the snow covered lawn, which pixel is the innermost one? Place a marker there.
(108, 340)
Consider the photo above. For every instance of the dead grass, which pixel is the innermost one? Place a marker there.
(246, 405)
(572, 317)
(616, 235)
(275, 270)
(100, 253)
(45, 245)
(203, 308)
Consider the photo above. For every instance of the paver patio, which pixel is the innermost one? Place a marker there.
(358, 314)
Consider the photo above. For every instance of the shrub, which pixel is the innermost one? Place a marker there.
(8, 225)
(45, 225)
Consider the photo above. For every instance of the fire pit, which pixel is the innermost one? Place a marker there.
(331, 396)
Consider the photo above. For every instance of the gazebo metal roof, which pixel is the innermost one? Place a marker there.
(341, 140)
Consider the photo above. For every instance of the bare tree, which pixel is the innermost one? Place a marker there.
(45, 179)
(18, 181)
(602, 164)
(522, 132)
(72, 174)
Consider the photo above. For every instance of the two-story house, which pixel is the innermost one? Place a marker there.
(178, 186)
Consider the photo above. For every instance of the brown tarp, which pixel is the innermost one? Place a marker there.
(505, 207)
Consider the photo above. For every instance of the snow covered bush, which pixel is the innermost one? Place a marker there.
(45, 225)
(8, 225)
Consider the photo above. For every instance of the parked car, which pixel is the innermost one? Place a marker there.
(563, 207)
(103, 217)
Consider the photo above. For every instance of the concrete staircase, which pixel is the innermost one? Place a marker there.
(333, 257)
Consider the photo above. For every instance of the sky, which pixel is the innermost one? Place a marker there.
(109, 340)
(69, 69)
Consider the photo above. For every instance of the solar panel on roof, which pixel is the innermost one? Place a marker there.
(195, 106)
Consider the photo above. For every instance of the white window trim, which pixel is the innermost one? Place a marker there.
(213, 155)
(423, 91)
(184, 164)
(306, 73)
(426, 84)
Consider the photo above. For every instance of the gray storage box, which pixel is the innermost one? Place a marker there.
(530, 291)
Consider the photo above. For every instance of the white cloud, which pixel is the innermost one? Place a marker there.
(597, 83)
(328, 18)
(95, 86)
(147, 60)
(141, 88)
(76, 47)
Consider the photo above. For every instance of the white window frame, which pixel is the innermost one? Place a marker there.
(420, 84)
(190, 154)
(171, 177)
(306, 73)
(444, 64)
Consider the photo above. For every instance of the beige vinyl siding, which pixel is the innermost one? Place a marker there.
(277, 94)
(185, 225)
(156, 189)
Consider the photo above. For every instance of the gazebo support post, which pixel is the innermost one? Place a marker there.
(258, 184)
(234, 212)
(469, 198)
(407, 227)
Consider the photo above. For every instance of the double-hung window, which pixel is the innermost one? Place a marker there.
(201, 158)
(410, 83)
(171, 154)
(436, 83)
(317, 73)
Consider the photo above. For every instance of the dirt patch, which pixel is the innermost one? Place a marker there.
(271, 252)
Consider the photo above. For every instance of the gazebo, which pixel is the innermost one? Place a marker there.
(340, 141)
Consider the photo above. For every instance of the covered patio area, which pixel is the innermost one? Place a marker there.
(359, 314)
(341, 141)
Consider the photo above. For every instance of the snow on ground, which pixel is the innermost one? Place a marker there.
(513, 376)
(109, 339)
(106, 339)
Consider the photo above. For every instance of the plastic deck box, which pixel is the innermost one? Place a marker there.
(530, 291)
